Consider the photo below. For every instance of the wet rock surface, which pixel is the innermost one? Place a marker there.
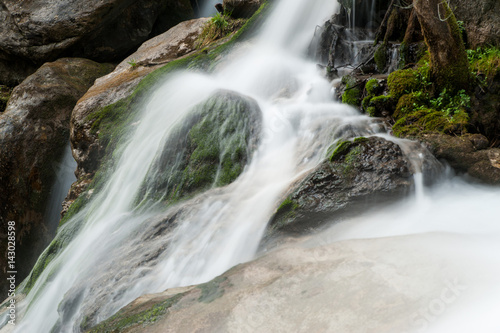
(358, 174)
(467, 154)
(336, 284)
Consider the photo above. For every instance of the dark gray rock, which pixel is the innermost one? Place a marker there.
(35, 31)
(241, 8)
(357, 175)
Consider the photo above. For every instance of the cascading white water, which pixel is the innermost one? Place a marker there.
(224, 227)
(118, 255)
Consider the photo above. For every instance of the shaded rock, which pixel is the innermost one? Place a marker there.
(322, 289)
(357, 175)
(481, 20)
(485, 110)
(34, 130)
(210, 147)
(33, 32)
(176, 42)
(4, 97)
(241, 8)
(467, 154)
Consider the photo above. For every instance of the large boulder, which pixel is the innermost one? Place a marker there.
(374, 285)
(35, 31)
(34, 129)
(481, 20)
(468, 154)
(356, 176)
(210, 147)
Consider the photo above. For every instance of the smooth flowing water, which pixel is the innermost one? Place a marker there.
(121, 252)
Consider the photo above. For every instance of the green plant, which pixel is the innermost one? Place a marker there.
(133, 63)
(219, 26)
(484, 61)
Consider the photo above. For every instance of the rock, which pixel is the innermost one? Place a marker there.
(467, 154)
(387, 282)
(241, 8)
(213, 143)
(485, 109)
(4, 97)
(34, 32)
(34, 130)
(481, 20)
(176, 42)
(358, 174)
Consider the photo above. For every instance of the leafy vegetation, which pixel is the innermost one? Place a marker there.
(484, 61)
(218, 27)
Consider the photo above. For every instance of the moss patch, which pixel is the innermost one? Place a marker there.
(5, 93)
(352, 93)
(380, 57)
(341, 148)
(212, 290)
(121, 321)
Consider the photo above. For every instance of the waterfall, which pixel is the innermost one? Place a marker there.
(208, 8)
(65, 176)
(120, 252)
(104, 267)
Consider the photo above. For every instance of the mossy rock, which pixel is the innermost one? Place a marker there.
(357, 172)
(209, 148)
(373, 87)
(380, 57)
(407, 103)
(402, 82)
(425, 121)
(352, 93)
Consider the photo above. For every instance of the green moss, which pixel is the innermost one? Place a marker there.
(218, 27)
(341, 148)
(5, 93)
(351, 159)
(211, 290)
(121, 321)
(372, 111)
(485, 61)
(352, 93)
(409, 102)
(112, 124)
(403, 82)
(380, 57)
(454, 74)
(373, 87)
(360, 139)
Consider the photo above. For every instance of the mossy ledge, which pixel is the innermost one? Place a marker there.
(122, 321)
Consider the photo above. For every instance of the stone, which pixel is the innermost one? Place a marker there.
(358, 174)
(241, 8)
(481, 21)
(35, 31)
(34, 129)
(315, 288)
(119, 84)
(467, 154)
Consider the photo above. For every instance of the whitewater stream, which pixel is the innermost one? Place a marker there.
(120, 252)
